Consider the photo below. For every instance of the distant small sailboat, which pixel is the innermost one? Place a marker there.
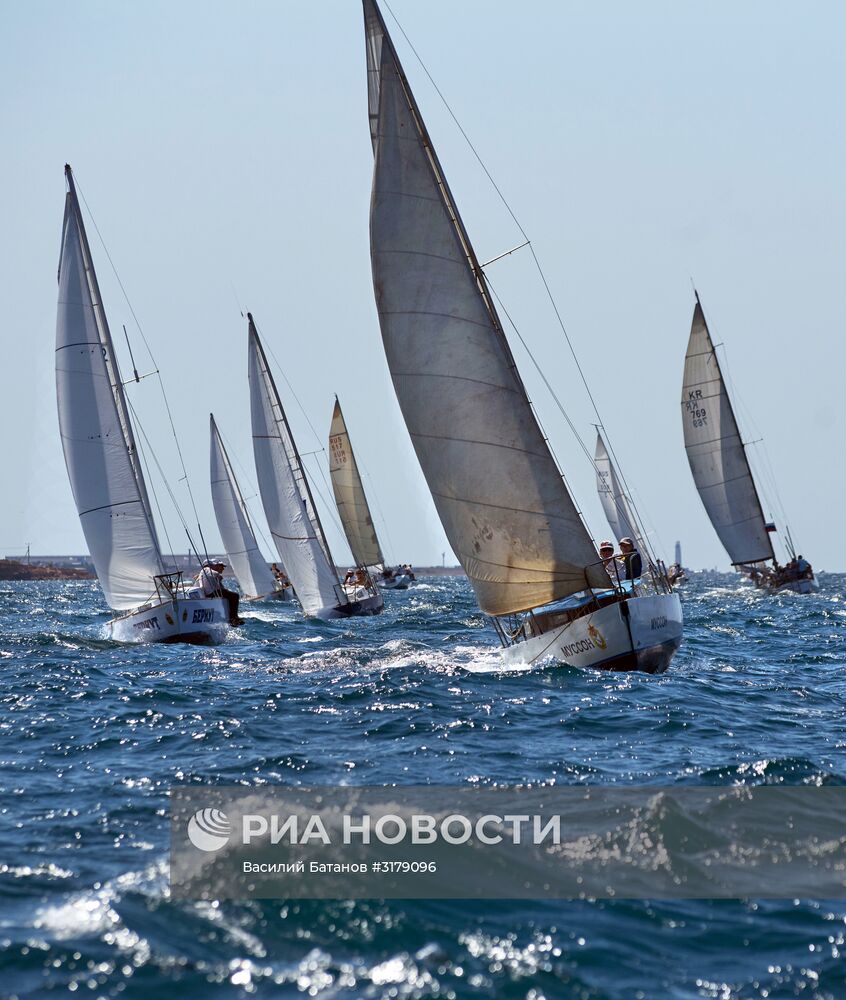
(289, 505)
(351, 500)
(615, 502)
(721, 470)
(254, 576)
(104, 465)
(677, 573)
(396, 578)
(502, 501)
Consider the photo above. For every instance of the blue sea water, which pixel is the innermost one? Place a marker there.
(93, 734)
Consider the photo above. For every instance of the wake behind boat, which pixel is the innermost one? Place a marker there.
(723, 476)
(104, 465)
(289, 505)
(502, 501)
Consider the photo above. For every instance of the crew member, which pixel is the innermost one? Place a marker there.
(630, 558)
(606, 554)
(209, 583)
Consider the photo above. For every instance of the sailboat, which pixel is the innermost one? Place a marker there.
(615, 502)
(501, 498)
(254, 576)
(351, 501)
(721, 470)
(677, 573)
(104, 465)
(289, 505)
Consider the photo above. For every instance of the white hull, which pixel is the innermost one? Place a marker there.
(402, 582)
(202, 620)
(639, 633)
(360, 604)
(798, 587)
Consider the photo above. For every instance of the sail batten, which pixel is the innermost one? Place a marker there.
(716, 452)
(97, 439)
(350, 497)
(286, 496)
(233, 521)
(495, 484)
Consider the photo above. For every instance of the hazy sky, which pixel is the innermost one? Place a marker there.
(224, 152)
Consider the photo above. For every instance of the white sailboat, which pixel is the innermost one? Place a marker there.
(351, 500)
(104, 465)
(503, 503)
(289, 506)
(615, 502)
(721, 470)
(254, 576)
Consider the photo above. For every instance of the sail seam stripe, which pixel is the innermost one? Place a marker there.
(496, 506)
(81, 343)
(489, 444)
(107, 506)
(456, 378)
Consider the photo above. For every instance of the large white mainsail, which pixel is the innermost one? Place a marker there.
(349, 495)
(500, 496)
(716, 452)
(233, 521)
(100, 453)
(615, 502)
(286, 495)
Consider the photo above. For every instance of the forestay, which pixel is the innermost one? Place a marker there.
(716, 453)
(233, 521)
(615, 502)
(504, 506)
(285, 493)
(102, 460)
(349, 495)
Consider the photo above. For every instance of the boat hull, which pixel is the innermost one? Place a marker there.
(396, 583)
(798, 587)
(201, 621)
(639, 633)
(373, 605)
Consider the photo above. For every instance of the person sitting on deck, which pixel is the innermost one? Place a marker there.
(209, 583)
(630, 558)
(281, 578)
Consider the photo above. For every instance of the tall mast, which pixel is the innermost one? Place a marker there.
(740, 436)
(294, 458)
(111, 362)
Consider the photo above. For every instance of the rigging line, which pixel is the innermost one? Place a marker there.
(164, 480)
(374, 493)
(185, 476)
(330, 507)
(253, 489)
(526, 237)
(150, 480)
(281, 371)
(557, 401)
(759, 457)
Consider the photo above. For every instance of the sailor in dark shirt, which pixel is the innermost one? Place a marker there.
(630, 557)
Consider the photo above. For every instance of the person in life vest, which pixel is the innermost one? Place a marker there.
(209, 583)
(630, 559)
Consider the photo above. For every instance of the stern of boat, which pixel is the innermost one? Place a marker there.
(199, 621)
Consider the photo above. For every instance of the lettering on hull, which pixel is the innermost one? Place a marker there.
(148, 623)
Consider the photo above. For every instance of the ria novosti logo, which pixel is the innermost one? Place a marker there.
(209, 829)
